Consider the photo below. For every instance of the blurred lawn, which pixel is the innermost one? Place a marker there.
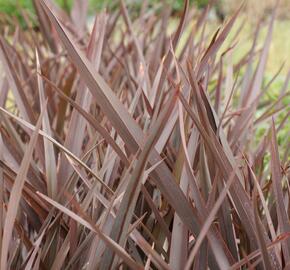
(279, 49)
(280, 45)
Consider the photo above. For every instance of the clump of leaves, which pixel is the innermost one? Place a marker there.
(118, 152)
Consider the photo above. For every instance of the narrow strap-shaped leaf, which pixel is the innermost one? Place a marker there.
(283, 219)
(262, 244)
(15, 194)
(50, 162)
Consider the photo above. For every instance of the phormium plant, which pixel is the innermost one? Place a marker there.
(124, 147)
